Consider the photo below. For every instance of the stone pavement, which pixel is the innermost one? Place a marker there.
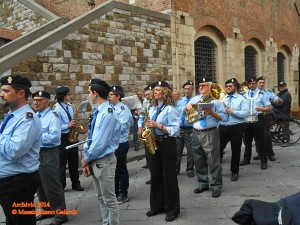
(282, 178)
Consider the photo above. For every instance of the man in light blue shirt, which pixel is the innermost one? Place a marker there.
(206, 141)
(185, 138)
(50, 190)
(274, 99)
(99, 159)
(123, 113)
(237, 109)
(20, 141)
(65, 111)
(259, 103)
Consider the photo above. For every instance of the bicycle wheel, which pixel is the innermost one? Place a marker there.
(276, 133)
(294, 127)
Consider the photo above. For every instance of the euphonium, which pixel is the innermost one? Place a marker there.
(243, 88)
(147, 135)
(217, 92)
(78, 128)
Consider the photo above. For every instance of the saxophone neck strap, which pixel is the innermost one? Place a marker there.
(68, 114)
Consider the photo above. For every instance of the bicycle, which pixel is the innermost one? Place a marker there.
(276, 132)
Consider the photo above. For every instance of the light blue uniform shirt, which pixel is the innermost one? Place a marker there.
(64, 116)
(51, 128)
(240, 107)
(260, 99)
(271, 95)
(124, 115)
(20, 143)
(169, 117)
(210, 120)
(106, 134)
(180, 105)
(141, 120)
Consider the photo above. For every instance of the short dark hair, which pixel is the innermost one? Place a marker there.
(103, 94)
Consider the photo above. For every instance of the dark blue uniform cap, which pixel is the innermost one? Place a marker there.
(251, 79)
(100, 84)
(62, 90)
(16, 80)
(204, 80)
(188, 83)
(44, 94)
(161, 84)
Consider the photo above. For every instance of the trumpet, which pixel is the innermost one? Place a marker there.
(217, 92)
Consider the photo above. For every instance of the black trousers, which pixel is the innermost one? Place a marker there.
(121, 175)
(267, 137)
(234, 135)
(148, 157)
(164, 194)
(256, 131)
(71, 157)
(19, 189)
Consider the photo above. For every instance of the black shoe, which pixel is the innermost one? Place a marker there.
(256, 157)
(41, 217)
(153, 213)
(244, 162)
(190, 174)
(136, 148)
(148, 182)
(198, 190)
(234, 176)
(264, 166)
(145, 167)
(170, 218)
(272, 158)
(58, 222)
(77, 187)
(216, 193)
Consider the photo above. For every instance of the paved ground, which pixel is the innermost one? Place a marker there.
(281, 179)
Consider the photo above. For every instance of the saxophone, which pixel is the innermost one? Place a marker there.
(147, 135)
(78, 128)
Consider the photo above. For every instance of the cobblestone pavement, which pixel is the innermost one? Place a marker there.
(282, 178)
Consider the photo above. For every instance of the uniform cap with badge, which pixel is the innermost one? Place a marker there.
(62, 91)
(204, 80)
(187, 83)
(117, 90)
(16, 80)
(162, 84)
(43, 94)
(251, 79)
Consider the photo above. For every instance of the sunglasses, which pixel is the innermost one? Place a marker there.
(228, 86)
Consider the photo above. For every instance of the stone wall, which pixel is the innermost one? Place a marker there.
(122, 47)
(15, 16)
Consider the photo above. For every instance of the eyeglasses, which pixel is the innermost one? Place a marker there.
(203, 85)
(281, 85)
(228, 86)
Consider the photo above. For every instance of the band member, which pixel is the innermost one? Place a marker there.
(135, 117)
(176, 96)
(259, 103)
(282, 112)
(50, 191)
(146, 105)
(237, 109)
(64, 109)
(20, 141)
(185, 139)
(99, 159)
(206, 142)
(164, 119)
(268, 120)
(123, 113)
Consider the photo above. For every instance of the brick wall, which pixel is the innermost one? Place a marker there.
(15, 16)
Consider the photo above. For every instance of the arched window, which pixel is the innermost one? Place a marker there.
(250, 62)
(205, 58)
(280, 66)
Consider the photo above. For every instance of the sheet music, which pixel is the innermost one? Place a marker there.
(133, 102)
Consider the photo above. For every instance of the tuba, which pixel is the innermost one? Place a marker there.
(217, 92)
(243, 88)
(78, 128)
(147, 135)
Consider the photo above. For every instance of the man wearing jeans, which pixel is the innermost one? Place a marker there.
(99, 159)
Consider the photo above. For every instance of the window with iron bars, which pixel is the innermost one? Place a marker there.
(250, 62)
(205, 58)
(280, 66)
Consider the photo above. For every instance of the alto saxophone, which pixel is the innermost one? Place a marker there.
(147, 135)
(78, 128)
